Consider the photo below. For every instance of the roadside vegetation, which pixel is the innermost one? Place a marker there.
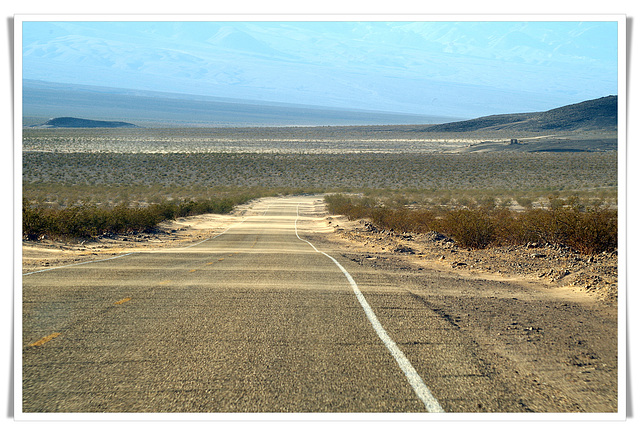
(91, 221)
(589, 228)
(79, 184)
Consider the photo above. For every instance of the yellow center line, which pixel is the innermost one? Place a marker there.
(45, 339)
(192, 270)
(211, 262)
(164, 282)
(122, 301)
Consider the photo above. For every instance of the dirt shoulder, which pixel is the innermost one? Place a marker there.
(558, 267)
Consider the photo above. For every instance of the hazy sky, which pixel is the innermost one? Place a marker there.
(448, 68)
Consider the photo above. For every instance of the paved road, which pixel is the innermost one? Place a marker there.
(254, 320)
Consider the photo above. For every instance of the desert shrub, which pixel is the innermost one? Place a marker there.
(586, 228)
(190, 208)
(469, 228)
(588, 231)
(352, 207)
(594, 231)
(507, 228)
(540, 225)
(84, 222)
(422, 220)
(127, 219)
(34, 222)
(393, 219)
(91, 221)
(166, 210)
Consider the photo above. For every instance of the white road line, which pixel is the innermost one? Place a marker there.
(416, 382)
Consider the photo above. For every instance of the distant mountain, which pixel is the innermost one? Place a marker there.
(44, 100)
(598, 114)
(69, 122)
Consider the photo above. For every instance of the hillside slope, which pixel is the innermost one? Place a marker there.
(598, 114)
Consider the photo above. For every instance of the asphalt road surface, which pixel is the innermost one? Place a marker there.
(261, 318)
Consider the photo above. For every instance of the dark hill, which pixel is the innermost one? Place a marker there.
(599, 114)
(68, 122)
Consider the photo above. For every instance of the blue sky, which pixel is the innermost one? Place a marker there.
(462, 69)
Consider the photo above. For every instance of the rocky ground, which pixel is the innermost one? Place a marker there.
(557, 266)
